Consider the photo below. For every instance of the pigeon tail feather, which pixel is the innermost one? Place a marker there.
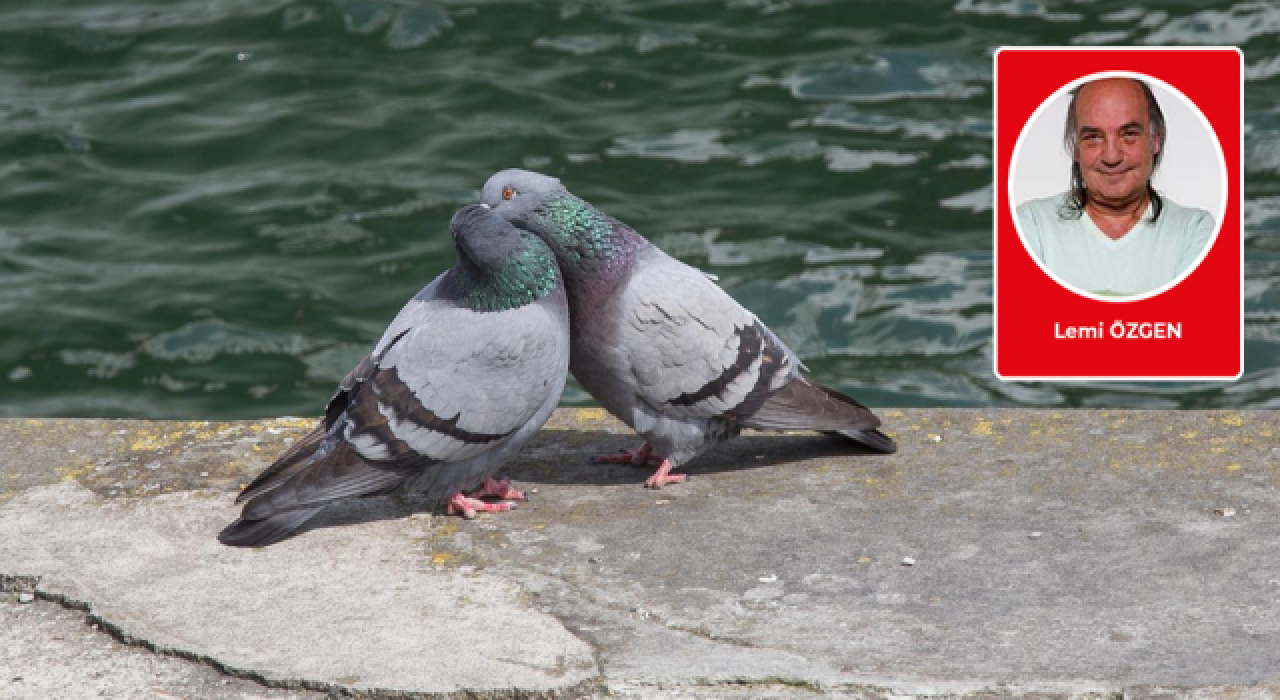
(292, 461)
(267, 531)
(331, 474)
(801, 405)
(298, 485)
(873, 439)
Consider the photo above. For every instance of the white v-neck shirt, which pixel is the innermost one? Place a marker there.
(1149, 256)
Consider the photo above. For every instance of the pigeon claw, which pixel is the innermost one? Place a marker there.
(498, 489)
(637, 457)
(663, 476)
(459, 504)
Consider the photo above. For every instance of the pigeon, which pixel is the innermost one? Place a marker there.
(661, 346)
(463, 377)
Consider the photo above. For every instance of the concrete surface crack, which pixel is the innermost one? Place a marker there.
(17, 583)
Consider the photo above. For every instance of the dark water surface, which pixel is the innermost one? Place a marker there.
(211, 208)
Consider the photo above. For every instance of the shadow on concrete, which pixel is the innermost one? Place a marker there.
(573, 464)
(564, 457)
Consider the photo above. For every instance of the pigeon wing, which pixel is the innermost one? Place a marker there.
(697, 353)
(450, 384)
(694, 351)
(462, 381)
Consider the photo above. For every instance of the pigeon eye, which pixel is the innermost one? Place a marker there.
(508, 192)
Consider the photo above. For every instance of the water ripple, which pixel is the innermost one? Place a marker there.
(201, 341)
(1015, 8)
(892, 74)
(843, 160)
(684, 146)
(1237, 25)
(212, 209)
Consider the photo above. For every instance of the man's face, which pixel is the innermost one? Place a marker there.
(1115, 147)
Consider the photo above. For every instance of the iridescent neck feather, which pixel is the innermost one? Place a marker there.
(593, 249)
(523, 277)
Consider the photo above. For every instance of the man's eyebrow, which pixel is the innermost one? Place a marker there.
(1123, 127)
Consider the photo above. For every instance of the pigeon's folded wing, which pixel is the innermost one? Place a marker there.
(457, 382)
(693, 350)
(451, 384)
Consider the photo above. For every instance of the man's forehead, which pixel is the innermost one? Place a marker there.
(1111, 100)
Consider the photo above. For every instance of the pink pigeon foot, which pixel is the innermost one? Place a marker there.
(468, 507)
(497, 489)
(663, 476)
(638, 457)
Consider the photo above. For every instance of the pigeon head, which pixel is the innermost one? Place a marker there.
(499, 266)
(516, 194)
(591, 248)
(485, 239)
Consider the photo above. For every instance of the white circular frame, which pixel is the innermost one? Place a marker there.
(1218, 213)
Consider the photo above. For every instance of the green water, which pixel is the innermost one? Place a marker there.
(211, 209)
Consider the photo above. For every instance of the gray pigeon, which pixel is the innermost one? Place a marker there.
(660, 345)
(465, 375)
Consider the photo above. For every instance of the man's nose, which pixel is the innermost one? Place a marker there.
(1112, 153)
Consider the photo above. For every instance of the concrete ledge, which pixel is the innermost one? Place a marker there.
(1053, 554)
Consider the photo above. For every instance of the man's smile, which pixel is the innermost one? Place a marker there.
(1114, 174)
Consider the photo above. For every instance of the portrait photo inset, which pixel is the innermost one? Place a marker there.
(1117, 217)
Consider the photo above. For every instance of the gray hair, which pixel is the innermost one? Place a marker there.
(1071, 139)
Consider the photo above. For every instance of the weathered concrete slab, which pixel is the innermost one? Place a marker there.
(325, 611)
(49, 651)
(1055, 554)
